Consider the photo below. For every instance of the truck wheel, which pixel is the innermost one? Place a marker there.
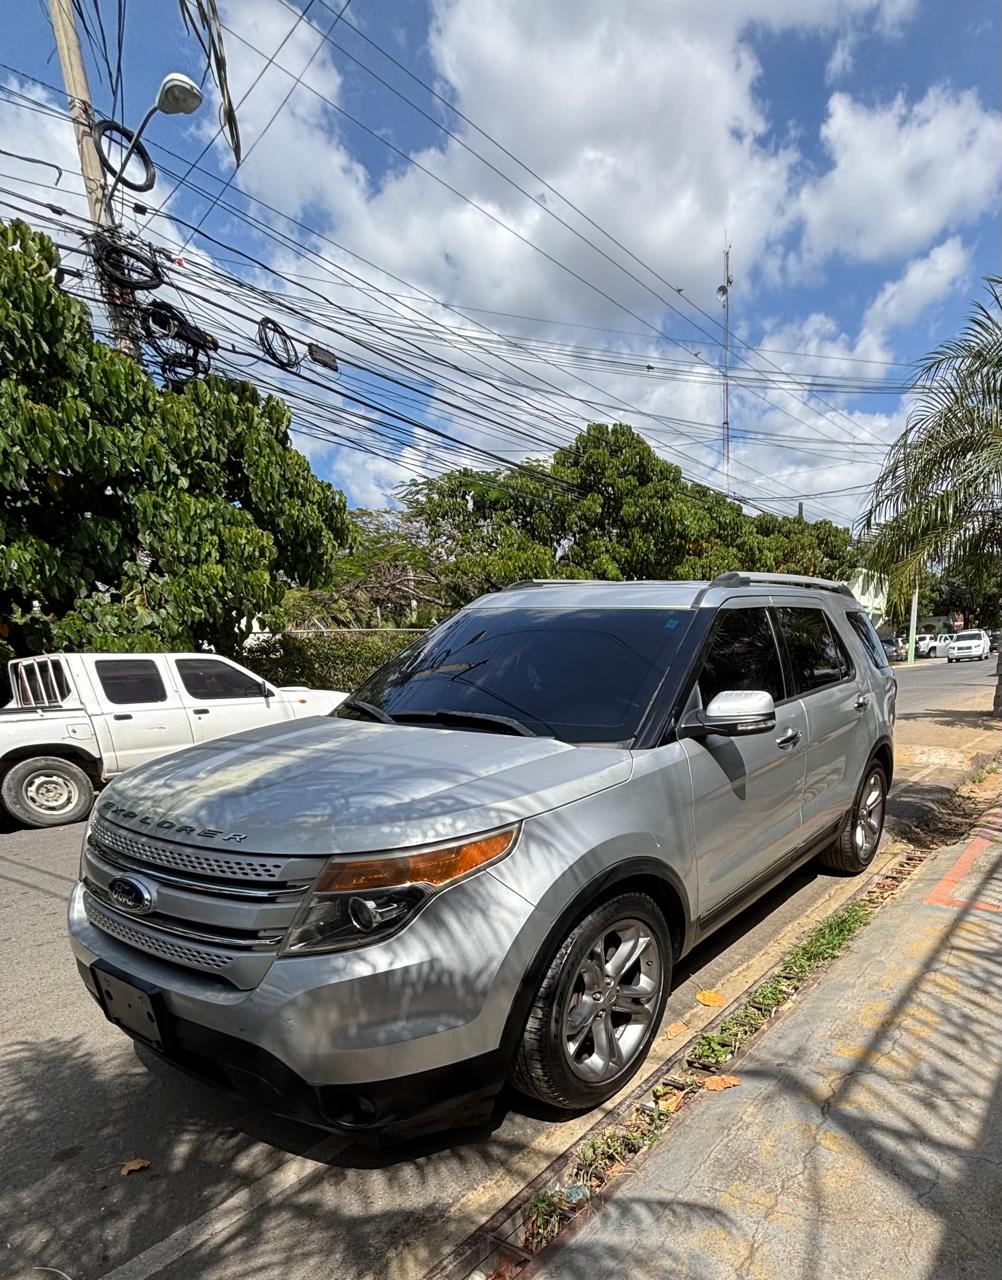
(47, 792)
(598, 1007)
(853, 851)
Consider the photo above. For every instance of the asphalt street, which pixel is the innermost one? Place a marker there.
(233, 1191)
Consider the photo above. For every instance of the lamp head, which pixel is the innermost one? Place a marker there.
(178, 95)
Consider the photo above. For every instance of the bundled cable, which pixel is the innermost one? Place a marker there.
(276, 344)
(133, 147)
(178, 369)
(132, 270)
(170, 333)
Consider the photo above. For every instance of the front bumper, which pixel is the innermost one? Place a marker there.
(385, 1037)
(388, 1110)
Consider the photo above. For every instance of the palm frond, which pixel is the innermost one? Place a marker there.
(938, 498)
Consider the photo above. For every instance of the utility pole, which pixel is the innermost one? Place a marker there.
(913, 625)
(78, 91)
(724, 294)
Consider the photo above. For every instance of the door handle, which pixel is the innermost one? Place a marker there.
(200, 711)
(862, 702)
(124, 715)
(788, 738)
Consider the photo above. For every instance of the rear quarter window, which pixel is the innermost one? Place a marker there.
(126, 680)
(817, 654)
(868, 637)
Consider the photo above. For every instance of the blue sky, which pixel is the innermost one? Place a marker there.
(849, 148)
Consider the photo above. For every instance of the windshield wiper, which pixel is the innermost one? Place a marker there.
(367, 709)
(474, 718)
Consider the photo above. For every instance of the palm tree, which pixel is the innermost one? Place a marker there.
(938, 499)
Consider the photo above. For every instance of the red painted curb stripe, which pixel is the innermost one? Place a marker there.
(942, 894)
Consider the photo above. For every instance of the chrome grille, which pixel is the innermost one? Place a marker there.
(155, 943)
(213, 910)
(208, 862)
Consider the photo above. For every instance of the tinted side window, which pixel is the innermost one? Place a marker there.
(208, 678)
(817, 656)
(130, 680)
(867, 633)
(742, 655)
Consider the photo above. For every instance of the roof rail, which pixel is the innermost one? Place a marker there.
(547, 582)
(733, 579)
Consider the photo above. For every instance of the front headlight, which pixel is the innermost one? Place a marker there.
(365, 898)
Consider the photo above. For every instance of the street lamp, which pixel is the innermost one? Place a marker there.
(178, 95)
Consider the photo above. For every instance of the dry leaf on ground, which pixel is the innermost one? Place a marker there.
(716, 1084)
(712, 998)
(676, 1029)
(671, 1102)
(135, 1166)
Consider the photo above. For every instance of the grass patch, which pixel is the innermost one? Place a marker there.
(821, 945)
(543, 1216)
(827, 940)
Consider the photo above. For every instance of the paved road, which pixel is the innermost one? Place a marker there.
(933, 685)
(235, 1192)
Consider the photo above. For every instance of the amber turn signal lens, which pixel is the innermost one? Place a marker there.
(436, 867)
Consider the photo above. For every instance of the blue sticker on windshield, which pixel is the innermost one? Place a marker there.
(671, 624)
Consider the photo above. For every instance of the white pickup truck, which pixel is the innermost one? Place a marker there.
(79, 719)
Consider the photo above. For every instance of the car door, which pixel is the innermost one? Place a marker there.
(221, 698)
(140, 708)
(837, 700)
(747, 791)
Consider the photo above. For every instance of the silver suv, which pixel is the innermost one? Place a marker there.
(484, 866)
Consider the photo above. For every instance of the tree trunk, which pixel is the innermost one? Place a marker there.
(997, 704)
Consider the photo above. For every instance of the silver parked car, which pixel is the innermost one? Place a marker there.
(484, 865)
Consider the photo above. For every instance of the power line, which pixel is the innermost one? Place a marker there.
(522, 190)
(275, 114)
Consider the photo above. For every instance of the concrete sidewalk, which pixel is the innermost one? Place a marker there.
(865, 1138)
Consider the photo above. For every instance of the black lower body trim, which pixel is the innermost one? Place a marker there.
(460, 1095)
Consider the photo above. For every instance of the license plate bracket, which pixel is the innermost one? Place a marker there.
(132, 1004)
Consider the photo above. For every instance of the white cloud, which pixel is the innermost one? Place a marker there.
(842, 58)
(901, 175)
(924, 282)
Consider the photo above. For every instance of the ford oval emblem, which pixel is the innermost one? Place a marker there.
(131, 895)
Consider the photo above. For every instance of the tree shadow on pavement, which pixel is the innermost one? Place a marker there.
(71, 1119)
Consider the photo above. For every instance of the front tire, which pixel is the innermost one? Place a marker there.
(598, 1007)
(47, 792)
(857, 844)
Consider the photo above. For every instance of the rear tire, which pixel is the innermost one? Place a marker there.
(47, 792)
(598, 1007)
(859, 839)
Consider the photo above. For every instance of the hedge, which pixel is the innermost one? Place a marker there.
(324, 660)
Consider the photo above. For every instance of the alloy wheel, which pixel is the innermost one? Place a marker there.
(869, 818)
(612, 1000)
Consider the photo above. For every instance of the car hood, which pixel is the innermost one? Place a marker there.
(324, 785)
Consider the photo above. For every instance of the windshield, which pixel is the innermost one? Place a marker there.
(581, 675)
(968, 635)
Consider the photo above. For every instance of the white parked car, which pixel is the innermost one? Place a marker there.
(924, 645)
(941, 643)
(80, 719)
(969, 645)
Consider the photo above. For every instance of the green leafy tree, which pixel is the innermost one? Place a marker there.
(132, 517)
(938, 500)
(605, 507)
